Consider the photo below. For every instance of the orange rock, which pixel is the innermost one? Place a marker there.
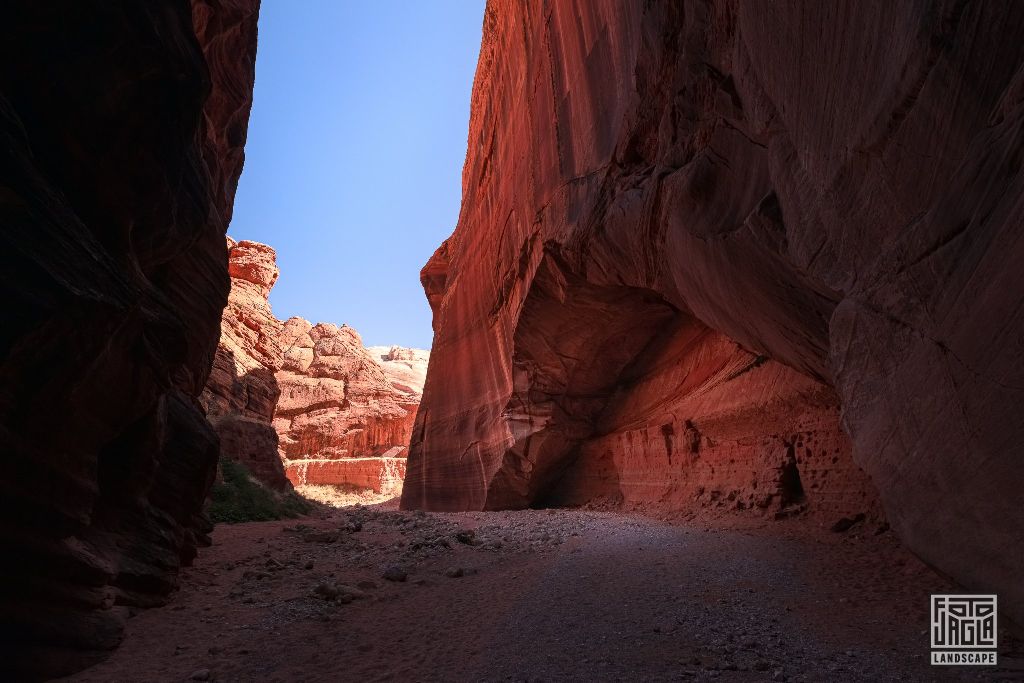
(691, 237)
(339, 400)
(405, 368)
(241, 394)
(383, 475)
(283, 394)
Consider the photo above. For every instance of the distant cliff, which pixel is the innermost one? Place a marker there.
(242, 392)
(303, 402)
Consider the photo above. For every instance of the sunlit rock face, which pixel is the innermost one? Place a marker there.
(405, 368)
(241, 393)
(694, 234)
(303, 403)
(123, 126)
(346, 413)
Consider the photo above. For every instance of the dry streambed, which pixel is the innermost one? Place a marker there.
(370, 593)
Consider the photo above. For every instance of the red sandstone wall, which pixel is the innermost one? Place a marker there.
(834, 187)
(340, 402)
(381, 474)
(242, 393)
(703, 423)
(282, 394)
(122, 128)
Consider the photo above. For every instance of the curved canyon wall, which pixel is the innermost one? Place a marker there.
(694, 234)
(303, 403)
(123, 128)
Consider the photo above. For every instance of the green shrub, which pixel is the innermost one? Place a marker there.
(240, 497)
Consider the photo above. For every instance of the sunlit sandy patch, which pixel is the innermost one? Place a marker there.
(346, 495)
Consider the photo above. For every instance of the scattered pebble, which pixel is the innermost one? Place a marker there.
(726, 630)
(320, 536)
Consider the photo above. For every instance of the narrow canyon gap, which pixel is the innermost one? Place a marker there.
(303, 404)
(702, 242)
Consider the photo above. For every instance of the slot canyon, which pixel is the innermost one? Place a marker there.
(726, 379)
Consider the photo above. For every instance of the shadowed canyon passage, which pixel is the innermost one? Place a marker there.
(750, 267)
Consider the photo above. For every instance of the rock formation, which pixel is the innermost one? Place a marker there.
(302, 402)
(345, 415)
(405, 368)
(691, 231)
(242, 392)
(123, 126)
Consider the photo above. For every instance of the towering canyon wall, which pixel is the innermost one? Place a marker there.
(123, 126)
(307, 403)
(695, 233)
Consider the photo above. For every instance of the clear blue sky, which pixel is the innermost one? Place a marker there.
(353, 168)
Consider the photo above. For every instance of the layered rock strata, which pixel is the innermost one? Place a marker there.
(345, 415)
(405, 368)
(696, 231)
(241, 393)
(123, 126)
(303, 403)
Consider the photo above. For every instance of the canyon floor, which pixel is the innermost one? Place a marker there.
(370, 593)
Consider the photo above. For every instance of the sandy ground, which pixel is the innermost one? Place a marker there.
(344, 497)
(568, 595)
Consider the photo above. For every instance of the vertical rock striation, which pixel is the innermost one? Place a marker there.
(691, 231)
(122, 145)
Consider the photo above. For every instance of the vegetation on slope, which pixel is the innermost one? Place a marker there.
(240, 497)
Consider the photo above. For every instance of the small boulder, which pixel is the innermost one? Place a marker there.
(327, 591)
(846, 523)
(394, 573)
(351, 591)
(467, 536)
